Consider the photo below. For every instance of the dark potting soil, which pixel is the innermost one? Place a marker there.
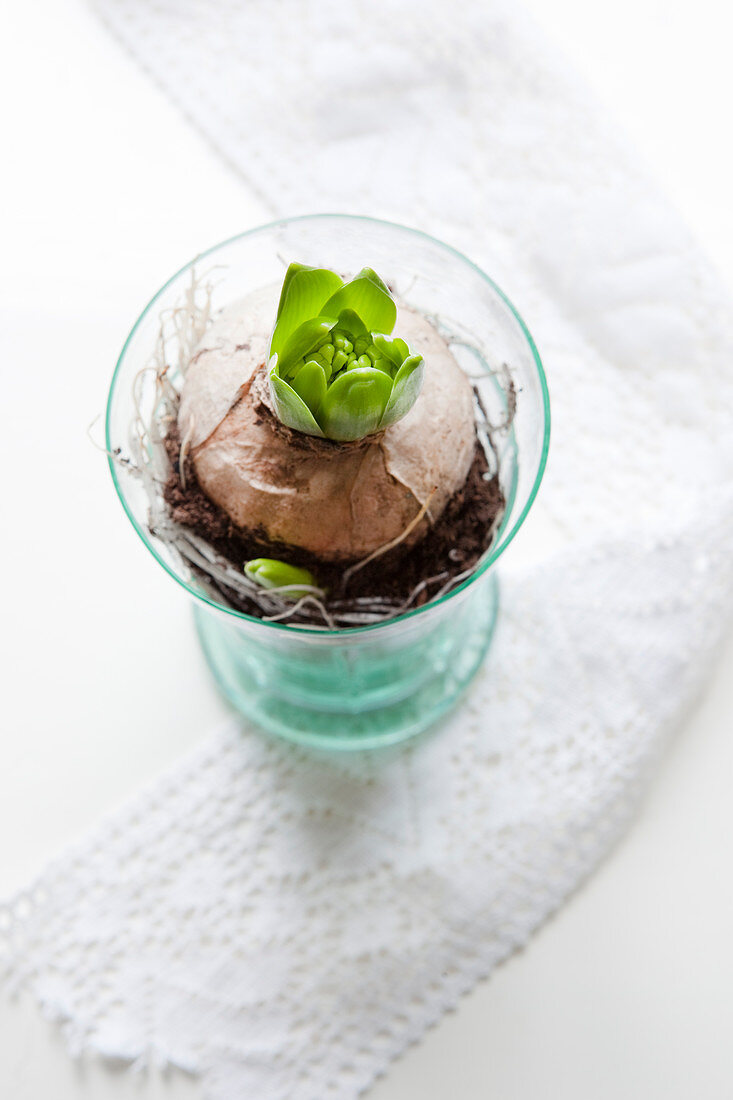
(453, 545)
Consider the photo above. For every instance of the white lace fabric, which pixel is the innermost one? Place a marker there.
(285, 923)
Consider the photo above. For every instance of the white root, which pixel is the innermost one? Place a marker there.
(331, 625)
(185, 444)
(100, 446)
(292, 589)
(348, 573)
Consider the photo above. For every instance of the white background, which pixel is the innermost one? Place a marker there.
(104, 192)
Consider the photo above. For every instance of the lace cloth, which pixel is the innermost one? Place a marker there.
(285, 923)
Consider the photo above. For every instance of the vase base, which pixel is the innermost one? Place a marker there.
(374, 701)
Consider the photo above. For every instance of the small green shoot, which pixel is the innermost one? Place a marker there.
(271, 573)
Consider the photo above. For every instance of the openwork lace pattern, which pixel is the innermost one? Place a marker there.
(285, 923)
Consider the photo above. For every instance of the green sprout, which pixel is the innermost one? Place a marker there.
(271, 573)
(335, 371)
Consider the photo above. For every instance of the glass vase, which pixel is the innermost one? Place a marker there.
(379, 684)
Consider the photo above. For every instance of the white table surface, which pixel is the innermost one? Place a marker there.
(105, 191)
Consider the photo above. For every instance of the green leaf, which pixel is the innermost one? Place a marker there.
(405, 390)
(293, 270)
(354, 404)
(304, 291)
(386, 365)
(310, 385)
(368, 297)
(389, 349)
(401, 348)
(353, 323)
(370, 273)
(303, 340)
(323, 362)
(290, 409)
